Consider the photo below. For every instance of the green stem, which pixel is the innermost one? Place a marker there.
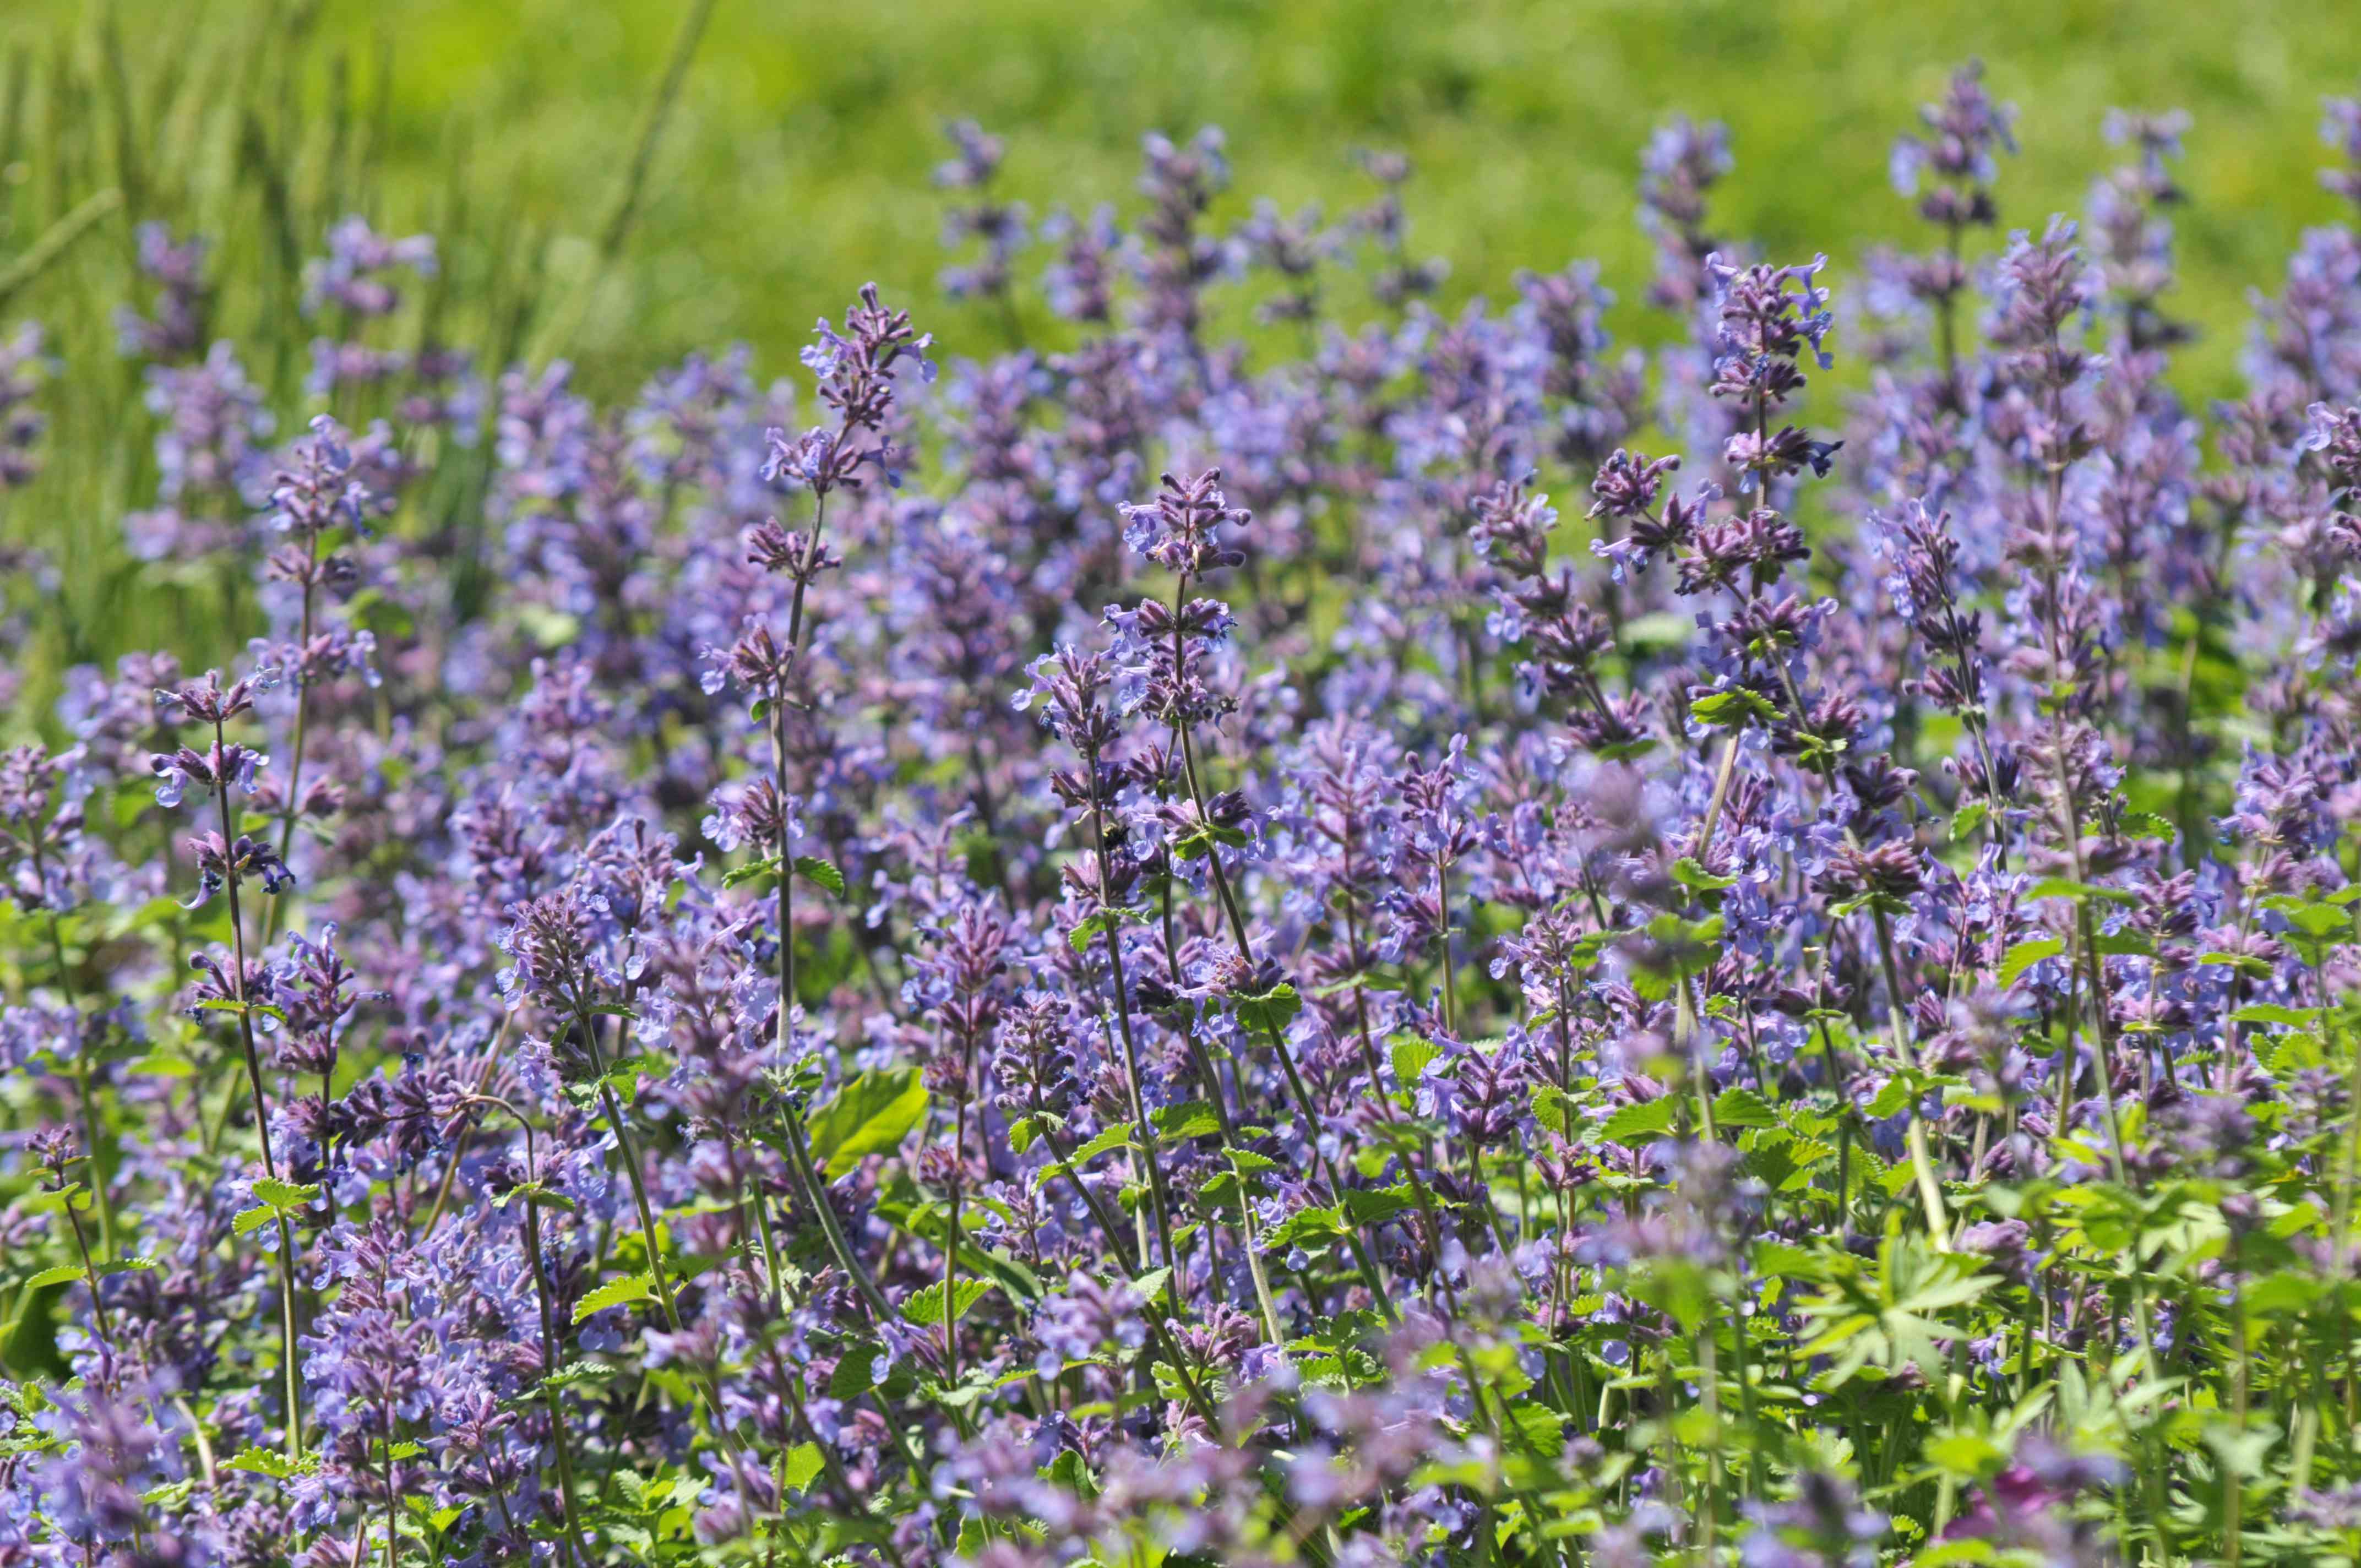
(302, 711)
(1157, 1200)
(291, 1378)
(630, 1157)
(85, 1088)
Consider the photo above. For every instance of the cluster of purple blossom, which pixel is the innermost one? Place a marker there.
(1131, 955)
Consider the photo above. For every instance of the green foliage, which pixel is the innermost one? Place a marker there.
(508, 130)
(872, 1114)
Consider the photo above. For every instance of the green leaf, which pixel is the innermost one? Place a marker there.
(1739, 1106)
(265, 1462)
(1892, 1099)
(536, 1192)
(804, 1466)
(749, 870)
(1969, 819)
(856, 1371)
(616, 1293)
(574, 1372)
(2080, 891)
(815, 870)
(1313, 1226)
(1087, 928)
(2314, 919)
(2272, 1012)
(285, 1196)
(872, 1114)
(2022, 956)
(1374, 1205)
(1271, 1011)
(1780, 1260)
(925, 1307)
(1638, 1125)
(59, 1275)
(1108, 1140)
(1731, 708)
(1688, 872)
(53, 1200)
(1410, 1056)
(1553, 1108)
(1193, 1119)
(1199, 841)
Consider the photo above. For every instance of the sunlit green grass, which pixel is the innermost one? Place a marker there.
(796, 163)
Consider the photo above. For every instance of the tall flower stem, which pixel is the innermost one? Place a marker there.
(85, 1083)
(951, 1253)
(1205, 1070)
(1221, 892)
(90, 1276)
(630, 1154)
(303, 713)
(1922, 1164)
(797, 1141)
(1159, 1323)
(1159, 1201)
(545, 1299)
(292, 1379)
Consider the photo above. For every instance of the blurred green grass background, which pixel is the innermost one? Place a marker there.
(795, 162)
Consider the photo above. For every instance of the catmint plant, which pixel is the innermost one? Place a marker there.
(1301, 921)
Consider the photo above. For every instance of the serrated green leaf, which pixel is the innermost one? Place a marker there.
(1411, 1055)
(1271, 1011)
(1553, 1108)
(1640, 1125)
(749, 870)
(258, 1460)
(1892, 1099)
(1374, 1205)
(616, 1293)
(2022, 956)
(1739, 1106)
(285, 1196)
(574, 1372)
(813, 869)
(871, 1114)
(925, 1306)
(1315, 1225)
(1192, 1119)
(1731, 708)
(804, 1466)
(1087, 929)
(2080, 891)
(1689, 872)
(1108, 1139)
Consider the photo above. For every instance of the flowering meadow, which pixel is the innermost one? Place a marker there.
(1294, 928)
